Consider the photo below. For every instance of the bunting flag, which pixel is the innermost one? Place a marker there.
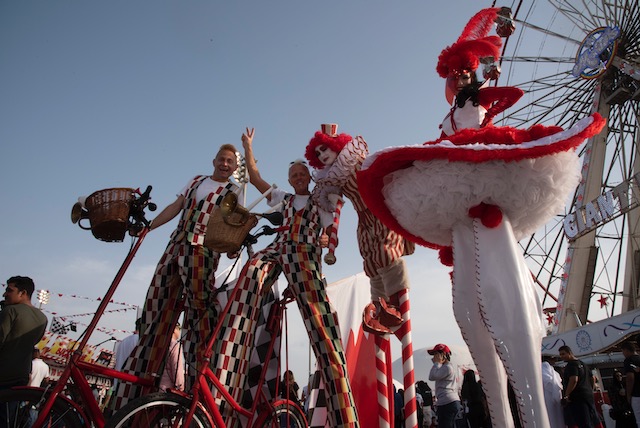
(86, 314)
(57, 327)
(94, 299)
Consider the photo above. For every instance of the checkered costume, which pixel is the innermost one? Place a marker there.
(183, 279)
(296, 254)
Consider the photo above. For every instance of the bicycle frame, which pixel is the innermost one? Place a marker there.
(201, 391)
(76, 368)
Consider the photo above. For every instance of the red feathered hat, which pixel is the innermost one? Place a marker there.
(327, 137)
(473, 44)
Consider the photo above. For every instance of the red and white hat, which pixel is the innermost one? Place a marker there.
(440, 347)
(330, 129)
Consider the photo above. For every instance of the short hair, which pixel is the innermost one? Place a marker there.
(629, 346)
(227, 147)
(300, 162)
(565, 348)
(23, 283)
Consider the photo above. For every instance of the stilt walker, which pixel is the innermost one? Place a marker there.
(486, 188)
(296, 253)
(337, 159)
(183, 278)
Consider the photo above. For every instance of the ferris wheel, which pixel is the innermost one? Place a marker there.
(573, 58)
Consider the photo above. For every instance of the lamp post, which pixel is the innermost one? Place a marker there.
(43, 297)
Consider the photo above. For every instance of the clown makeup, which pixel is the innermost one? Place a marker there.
(325, 155)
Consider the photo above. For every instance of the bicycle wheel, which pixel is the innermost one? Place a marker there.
(20, 408)
(285, 414)
(156, 410)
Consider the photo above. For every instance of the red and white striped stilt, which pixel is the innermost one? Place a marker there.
(403, 333)
(383, 380)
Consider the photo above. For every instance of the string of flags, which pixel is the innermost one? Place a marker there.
(96, 299)
(86, 314)
(61, 325)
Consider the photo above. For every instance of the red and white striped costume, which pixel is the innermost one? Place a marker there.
(380, 247)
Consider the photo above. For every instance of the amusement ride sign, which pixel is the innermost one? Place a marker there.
(606, 207)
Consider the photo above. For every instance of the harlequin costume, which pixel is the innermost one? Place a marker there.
(296, 253)
(473, 195)
(184, 278)
(381, 248)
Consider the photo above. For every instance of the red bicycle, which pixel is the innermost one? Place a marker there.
(198, 408)
(50, 407)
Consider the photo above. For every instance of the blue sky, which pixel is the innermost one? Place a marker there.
(96, 95)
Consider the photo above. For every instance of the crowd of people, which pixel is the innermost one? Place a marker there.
(568, 386)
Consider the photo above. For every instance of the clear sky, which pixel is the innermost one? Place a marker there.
(133, 93)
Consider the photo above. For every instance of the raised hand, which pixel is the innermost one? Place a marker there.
(247, 138)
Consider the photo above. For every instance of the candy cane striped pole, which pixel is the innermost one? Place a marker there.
(403, 333)
(383, 378)
(330, 257)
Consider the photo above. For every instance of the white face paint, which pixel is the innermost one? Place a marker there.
(326, 155)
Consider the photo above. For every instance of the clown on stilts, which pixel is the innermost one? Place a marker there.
(337, 158)
(183, 278)
(296, 253)
(473, 194)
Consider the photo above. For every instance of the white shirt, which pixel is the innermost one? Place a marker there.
(299, 202)
(39, 371)
(208, 185)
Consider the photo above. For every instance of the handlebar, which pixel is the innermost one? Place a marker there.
(138, 220)
(264, 231)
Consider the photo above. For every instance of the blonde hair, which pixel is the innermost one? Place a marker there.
(227, 147)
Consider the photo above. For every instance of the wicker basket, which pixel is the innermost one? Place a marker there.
(223, 237)
(109, 213)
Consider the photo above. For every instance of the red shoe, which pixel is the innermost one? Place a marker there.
(370, 322)
(389, 315)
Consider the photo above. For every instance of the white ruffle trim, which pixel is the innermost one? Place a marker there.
(429, 197)
(330, 180)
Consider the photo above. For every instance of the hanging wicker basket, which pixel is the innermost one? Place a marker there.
(108, 212)
(226, 234)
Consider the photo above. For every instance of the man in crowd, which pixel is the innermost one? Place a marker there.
(22, 325)
(579, 405)
(632, 374)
